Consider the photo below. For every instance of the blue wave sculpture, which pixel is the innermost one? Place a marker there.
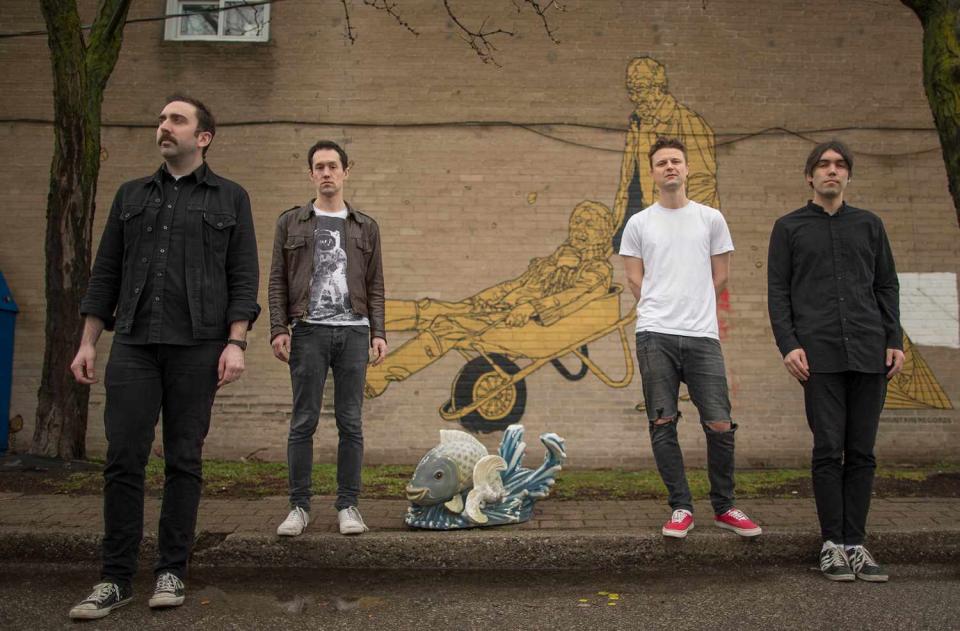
(505, 494)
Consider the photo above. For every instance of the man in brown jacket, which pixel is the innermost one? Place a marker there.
(326, 284)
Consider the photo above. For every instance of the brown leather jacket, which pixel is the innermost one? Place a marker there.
(292, 268)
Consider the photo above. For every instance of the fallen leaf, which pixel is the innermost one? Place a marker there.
(602, 593)
(205, 601)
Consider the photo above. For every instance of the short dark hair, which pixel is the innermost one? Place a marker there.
(666, 142)
(205, 120)
(327, 144)
(824, 147)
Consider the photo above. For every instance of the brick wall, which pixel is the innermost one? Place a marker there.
(463, 206)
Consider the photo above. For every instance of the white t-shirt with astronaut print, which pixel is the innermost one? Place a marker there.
(329, 295)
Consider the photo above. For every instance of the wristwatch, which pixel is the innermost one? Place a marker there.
(241, 343)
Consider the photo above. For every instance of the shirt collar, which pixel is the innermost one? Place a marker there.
(817, 208)
(306, 212)
(202, 173)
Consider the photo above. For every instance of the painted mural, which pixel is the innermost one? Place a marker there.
(915, 387)
(563, 302)
(556, 307)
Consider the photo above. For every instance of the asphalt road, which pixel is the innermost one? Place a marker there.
(790, 597)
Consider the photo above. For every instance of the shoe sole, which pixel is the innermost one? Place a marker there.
(353, 531)
(96, 614)
(841, 578)
(676, 534)
(161, 602)
(873, 579)
(282, 533)
(743, 532)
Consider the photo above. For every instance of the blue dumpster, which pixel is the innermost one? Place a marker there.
(8, 318)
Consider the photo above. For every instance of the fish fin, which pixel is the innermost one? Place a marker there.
(473, 511)
(448, 436)
(455, 504)
(487, 471)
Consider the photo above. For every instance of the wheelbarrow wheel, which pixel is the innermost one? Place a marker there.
(475, 381)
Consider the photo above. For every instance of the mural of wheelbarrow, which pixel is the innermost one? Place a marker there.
(557, 307)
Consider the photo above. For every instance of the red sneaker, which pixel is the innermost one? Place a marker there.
(681, 522)
(735, 520)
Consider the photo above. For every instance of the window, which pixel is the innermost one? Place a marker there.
(218, 20)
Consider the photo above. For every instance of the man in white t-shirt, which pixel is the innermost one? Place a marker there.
(676, 254)
(326, 313)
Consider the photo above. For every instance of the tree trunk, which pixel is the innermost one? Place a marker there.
(80, 73)
(941, 79)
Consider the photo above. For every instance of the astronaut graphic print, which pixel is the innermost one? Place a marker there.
(329, 295)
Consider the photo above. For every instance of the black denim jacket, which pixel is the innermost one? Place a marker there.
(222, 269)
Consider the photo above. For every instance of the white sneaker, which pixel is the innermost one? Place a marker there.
(351, 523)
(295, 523)
(169, 591)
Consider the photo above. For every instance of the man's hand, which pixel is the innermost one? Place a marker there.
(231, 365)
(281, 347)
(895, 359)
(379, 346)
(82, 365)
(796, 363)
(519, 315)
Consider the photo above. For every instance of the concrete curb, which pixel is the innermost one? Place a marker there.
(488, 549)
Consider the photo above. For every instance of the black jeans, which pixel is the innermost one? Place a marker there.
(314, 349)
(843, 411)
(142, 380)
(666, 360)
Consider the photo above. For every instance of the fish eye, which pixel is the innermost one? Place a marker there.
(438, 475)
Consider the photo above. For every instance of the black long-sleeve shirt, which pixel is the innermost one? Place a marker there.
(832, 289)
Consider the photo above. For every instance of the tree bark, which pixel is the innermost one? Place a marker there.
(941, 79)
(80, 74)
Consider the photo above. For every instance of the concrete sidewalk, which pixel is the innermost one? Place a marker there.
(562, 535)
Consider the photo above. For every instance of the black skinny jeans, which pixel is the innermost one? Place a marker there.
(843, 411)
(142, 380)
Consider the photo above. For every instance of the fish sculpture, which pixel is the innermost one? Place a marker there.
(457, 484)
(460, 462)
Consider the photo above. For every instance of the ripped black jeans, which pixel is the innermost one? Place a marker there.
(666, 360)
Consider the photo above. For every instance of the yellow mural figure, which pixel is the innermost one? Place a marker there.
(556, 306)
(915, 387)
(657, 113)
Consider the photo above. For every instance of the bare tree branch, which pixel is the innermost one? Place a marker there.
(478, 40)
(540, 8)
(348, 31)
(390, 8)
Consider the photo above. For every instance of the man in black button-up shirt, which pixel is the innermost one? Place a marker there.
(833, 297)
(176, 276)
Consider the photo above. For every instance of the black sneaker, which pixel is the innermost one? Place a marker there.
(105, 598)
(834, 563)
(168, 592)
(865, 567)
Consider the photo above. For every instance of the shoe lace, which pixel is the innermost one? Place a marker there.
(298, 515)
(354, 514)
(678, 516)
(861, 558)
(103, 591)
(835, 558)
(167, 582)
(738, 514)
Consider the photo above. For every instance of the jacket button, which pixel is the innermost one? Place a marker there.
(143, 260)
(126, 216)
(219, 224)
(136, 290)
(149, 228)
(157, 200)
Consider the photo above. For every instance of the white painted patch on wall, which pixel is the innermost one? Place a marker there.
(929, 310)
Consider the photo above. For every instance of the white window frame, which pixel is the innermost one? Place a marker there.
(172, 28)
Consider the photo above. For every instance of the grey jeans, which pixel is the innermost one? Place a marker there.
(664, 361)
(313, 350)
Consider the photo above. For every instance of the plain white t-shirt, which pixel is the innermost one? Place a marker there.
(677, 295)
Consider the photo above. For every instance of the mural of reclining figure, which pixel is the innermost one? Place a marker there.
(551, 288)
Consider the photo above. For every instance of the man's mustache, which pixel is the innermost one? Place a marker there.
(166, 137)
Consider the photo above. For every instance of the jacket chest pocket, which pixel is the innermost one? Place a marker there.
(217, 228)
